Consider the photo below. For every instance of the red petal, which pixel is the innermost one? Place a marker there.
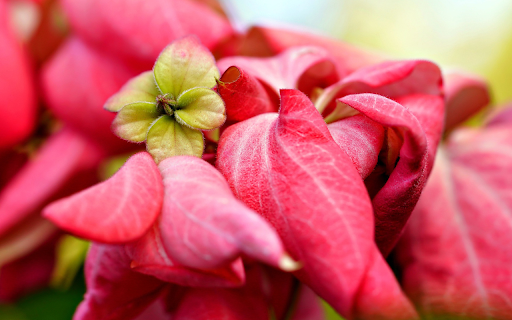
(221, 304)
(65, 164)
(308, 306)
(501, 116)
(380, 296)
(18, 106)
(76, 82)
(149, 257)
(209, 227)
(262, 41)
(289, 169)
(114, 291)
(287, 69)
(117, 210)
(361, 138)
(140, 29)
(395, 201)
(245, 97)
(391, 79)
(465, 95)
(456, 250)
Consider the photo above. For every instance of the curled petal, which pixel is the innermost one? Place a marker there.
(285, 70)
(396, 199)
(209, 227)
(288, 168)
(244, 95)
(183, 65)
(117, 210)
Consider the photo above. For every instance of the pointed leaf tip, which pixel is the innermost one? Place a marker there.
(117, 210)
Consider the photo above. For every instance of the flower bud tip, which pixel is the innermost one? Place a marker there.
(286, 263)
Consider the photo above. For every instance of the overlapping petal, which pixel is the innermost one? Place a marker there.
(204, 226)
(288, 168)
(285, 70)
(117, 210)
(141, 88)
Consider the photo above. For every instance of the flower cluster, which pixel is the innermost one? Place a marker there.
(279, 168)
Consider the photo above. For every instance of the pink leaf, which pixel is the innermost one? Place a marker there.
(261, 41)
(244, 95)
(76, 82)
(149, 257)
(465, 95)
(286, 70)
(18, 106)
(140, 29)
(288, 168)
(396, 199)
(117, 210)
(65, 164)
(455, 251)
(209, 227)
(114, 291)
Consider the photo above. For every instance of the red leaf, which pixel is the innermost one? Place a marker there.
(380, 296)
(289, 69)
(203, 225)
(140, 29)
(289, 169)
(76, 82)
(465, 95)
(117, 210)
(64, 165)
(245, 97)
(456, 251)
(308, 306)
(395, 201)
(149, 257)
(221, 304)
(114, 291)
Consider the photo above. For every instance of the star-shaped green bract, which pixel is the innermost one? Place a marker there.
(169, 106)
